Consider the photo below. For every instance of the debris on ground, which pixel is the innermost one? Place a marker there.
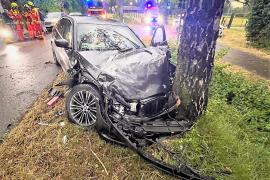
(44, 124)
(65, 139)
(53, 101)
(9, 126)
(59, 113)
(62, 124)
(49, 62)
(54, 92)
(99, 161)
(56, 95)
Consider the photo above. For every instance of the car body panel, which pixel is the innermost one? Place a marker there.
(135, 75)
(138, 74)
(61, 55)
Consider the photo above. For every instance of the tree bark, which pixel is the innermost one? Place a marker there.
(195, 56)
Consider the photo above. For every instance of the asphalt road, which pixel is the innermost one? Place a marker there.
(25, 71)
(255, 64)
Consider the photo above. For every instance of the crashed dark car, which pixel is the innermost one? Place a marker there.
(119, 86)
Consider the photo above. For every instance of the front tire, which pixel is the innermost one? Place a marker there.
(82, 105)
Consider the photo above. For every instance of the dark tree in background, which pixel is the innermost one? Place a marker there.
(196, 54)
(5, 4)
(258, 28)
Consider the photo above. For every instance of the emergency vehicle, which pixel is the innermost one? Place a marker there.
(95, 8)
(152, 14)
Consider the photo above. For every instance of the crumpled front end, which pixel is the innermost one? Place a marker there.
(136, 103)
(138, 74)
(140, 78)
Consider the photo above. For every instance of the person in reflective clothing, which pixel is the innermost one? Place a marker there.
(36, 20)
(17, 18)
(29, 21)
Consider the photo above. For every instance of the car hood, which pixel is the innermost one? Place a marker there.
(134, 75)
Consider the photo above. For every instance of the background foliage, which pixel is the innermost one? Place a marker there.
(258, 28)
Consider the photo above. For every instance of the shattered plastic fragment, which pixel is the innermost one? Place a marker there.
(62, 124)
(65, 139)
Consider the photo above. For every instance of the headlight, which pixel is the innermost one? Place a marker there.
(5, 33)
(160, 19)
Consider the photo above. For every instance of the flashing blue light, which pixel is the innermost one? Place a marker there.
(148, 4)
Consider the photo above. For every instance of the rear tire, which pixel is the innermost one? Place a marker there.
(82, 105)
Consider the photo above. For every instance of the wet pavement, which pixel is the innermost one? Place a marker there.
(257, 65)
(25, 70)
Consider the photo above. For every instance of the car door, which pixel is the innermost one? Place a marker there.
(159, 37)
(159, 40)
(64, 30)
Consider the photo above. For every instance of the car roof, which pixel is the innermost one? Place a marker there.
(95, 20)
(56, 12)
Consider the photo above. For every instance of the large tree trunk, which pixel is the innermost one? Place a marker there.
(195, 56)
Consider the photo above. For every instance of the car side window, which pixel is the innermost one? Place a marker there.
(56, 31)
(66, 30)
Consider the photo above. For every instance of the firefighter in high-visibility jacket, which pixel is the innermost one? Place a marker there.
(29, 21)
(17, 18)
(36, 20)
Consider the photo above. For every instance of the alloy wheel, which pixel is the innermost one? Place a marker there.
(83, 108)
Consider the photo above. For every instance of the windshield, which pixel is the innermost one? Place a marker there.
(54, 15)
(106, 37)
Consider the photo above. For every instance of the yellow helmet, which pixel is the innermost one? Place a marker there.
(30, 3)
(26, 6)
(13, 5)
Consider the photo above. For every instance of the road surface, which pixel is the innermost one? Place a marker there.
(249, 62)
(257, 65)
(24, 73)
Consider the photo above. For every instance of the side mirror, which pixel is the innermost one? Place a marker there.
(62, 43)
(159, 37)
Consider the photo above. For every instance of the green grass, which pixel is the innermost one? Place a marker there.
(232, 140)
